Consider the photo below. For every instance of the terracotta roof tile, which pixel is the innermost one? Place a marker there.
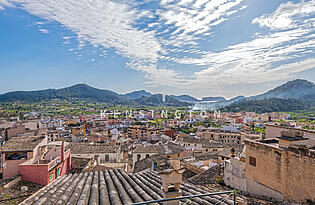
(113, 187)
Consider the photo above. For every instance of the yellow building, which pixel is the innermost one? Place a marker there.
(78, 130)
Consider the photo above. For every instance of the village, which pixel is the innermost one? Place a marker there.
(265, 158)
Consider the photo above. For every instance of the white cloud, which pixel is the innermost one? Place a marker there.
(190, 19)
(104, 23)
(5, 3)
(45, 31)
(288, 15)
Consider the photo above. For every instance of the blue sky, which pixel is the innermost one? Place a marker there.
(197, 47)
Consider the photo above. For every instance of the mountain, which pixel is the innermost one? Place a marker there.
(295, 91)
(291, 96)
(184, 98)
(237, 98)
(300, 89)
(136, 95)
(85, 92)
(79, 91)
(267, 105)
(215, 99)
(157, 100)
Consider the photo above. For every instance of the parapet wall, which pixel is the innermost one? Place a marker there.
(288, 171)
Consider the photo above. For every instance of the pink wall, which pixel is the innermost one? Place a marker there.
(12, 166)
(35, 173)
(40, 174)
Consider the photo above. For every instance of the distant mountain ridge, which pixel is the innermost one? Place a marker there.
(185, 98)
(302, 90)
(292, 96)
(157, 100)
(292, 89)
(216, 99)
(137, 95)
(85, 92)
(268, 105)
(80, 91)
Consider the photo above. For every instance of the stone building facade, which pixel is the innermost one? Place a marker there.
(287, 170)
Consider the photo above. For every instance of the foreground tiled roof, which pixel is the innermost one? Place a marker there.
(113, 187)
(25, 143)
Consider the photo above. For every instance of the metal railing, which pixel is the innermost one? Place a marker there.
(189, 197)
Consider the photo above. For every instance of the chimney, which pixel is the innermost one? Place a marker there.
(62, 154)
(171, 178)
(232, 152)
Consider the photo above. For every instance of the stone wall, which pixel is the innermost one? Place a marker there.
(282, 170)
(259, 190)
(300, 177)
(234, 176)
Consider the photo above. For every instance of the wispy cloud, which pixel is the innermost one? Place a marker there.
(45, 31)
(103, 23)
(5, 3)
(289, 15)
(188, 21)
(279, 54)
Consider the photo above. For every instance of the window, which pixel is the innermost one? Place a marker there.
(147, 155)
(51, 177)
(206, 150)
(106, 158)
(138, 157)
(16, 156)
(58, 172)
(252, 161)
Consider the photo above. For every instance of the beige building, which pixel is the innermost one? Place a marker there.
(286, 166)
(142, 151)
(227, 137)
(273, 131)
(14, 131)
(144, 133)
